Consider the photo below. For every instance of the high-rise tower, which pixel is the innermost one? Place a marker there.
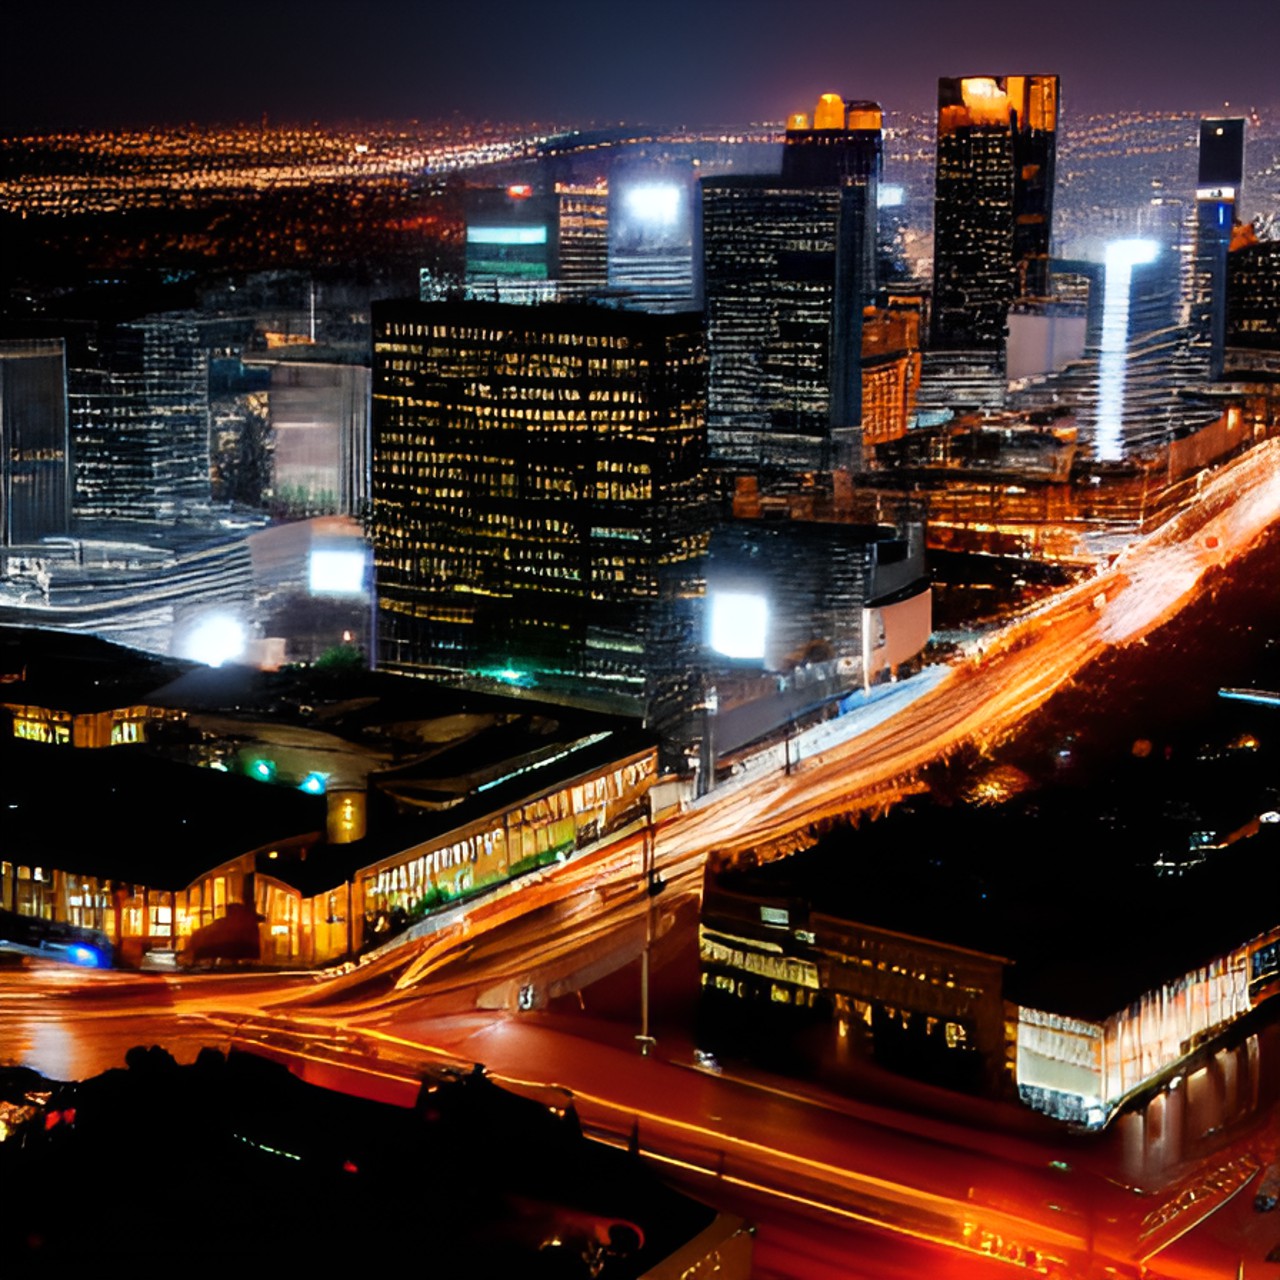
(1219, 179)
(789, 265)
(538, 508)
(35, 475)
(993, 204)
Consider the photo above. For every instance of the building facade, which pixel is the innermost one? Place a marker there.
(539, 519)
(789, 266)
(319, 423)
(35, 473)
(140, 419)
(1220, 175)
(993, 205)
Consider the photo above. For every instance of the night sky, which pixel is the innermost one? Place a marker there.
(76, 64)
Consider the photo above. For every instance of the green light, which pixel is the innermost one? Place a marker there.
(263, 770)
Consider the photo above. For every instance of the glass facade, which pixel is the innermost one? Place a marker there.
(539, 518)
(993, 204)
(35, 493)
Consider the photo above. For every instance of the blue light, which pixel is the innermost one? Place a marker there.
(86, 956)
(314, 784)
(506, 235)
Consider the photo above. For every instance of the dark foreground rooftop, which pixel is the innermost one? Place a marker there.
(233, 1166)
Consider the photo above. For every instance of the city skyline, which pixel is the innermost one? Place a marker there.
(663, 63)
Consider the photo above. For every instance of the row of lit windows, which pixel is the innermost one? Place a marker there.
(453, 336)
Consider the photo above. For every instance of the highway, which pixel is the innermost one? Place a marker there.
(943, 1197)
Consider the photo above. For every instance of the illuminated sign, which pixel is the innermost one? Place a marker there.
(739, 623)
(506, 235)
(890, 195)
(336, 572)
(519, 191)
(1215, 193)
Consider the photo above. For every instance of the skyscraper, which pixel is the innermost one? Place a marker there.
(789, 266)
(35, 476)
(139, 400)
(993, 205)
(538, 511)
(1218, 191)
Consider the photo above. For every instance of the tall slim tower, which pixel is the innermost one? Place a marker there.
(1221, 173)
(993, 204)
(789, 264)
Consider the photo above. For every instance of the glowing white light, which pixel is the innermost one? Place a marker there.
(655, 203)
(739, 623)
(336, 573)
(215, 639)
(1122, 257)
(891, 195)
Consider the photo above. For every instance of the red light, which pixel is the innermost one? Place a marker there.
(519, 191)
(350, 1166)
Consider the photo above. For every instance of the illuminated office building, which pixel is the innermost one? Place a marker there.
(993, 205)
(652, 236)
(1218, 192)
(1253, 307)
(789, 265)
(35, 478)
(538, 509)
(524, 244)
(139, 404)
(583, 210)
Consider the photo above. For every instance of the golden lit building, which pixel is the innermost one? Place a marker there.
(538, 505)
(993, 204)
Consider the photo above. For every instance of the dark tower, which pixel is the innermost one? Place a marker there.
(789, 265)
(993, 204)
(1221, 172)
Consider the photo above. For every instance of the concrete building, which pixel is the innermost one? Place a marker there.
(942, 963)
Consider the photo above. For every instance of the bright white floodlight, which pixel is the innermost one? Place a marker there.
(336, 573)
(657, 204)
(215, 639)
(1122, 257)
(739, 623)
